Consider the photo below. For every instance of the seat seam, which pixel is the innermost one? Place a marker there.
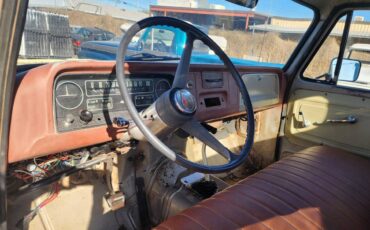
(265, 206)
(302, 198)
(288, 204)
(321, 170)
(340, 198)
(344, 179)
(224, 217)
(193, 219)
(283, 189)
(328, 181)
(163, 226)
(298, 185)
(322, 158)
(342, 211)
(259, 221)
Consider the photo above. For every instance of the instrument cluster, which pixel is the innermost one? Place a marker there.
(88, 100)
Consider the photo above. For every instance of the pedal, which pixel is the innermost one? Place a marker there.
(116, 201)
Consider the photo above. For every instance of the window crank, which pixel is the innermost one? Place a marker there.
(350, 120)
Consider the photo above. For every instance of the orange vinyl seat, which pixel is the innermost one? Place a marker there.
(318, 188)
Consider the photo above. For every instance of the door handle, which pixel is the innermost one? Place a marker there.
(348, 120)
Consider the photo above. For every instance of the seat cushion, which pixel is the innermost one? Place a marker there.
(318, 188)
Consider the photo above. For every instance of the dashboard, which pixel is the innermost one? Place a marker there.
(74, 104)
(89, 100)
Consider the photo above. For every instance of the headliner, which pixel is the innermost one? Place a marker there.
(326, 6)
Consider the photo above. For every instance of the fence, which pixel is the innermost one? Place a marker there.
(46, 35)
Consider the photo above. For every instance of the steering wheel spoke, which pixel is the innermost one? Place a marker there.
(183, 66)
(194, 128)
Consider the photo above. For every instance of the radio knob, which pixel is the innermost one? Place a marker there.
(86, 116)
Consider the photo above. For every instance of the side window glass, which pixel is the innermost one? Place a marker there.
(319, 67)
(354, 70)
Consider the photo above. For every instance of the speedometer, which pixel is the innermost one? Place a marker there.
(161, 87)
(69, 95)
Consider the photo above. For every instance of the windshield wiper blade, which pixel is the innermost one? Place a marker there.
(150, 57)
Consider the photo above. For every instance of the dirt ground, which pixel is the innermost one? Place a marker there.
(271, 47)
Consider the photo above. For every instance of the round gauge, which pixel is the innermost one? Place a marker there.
(161, 87)
(69, 95)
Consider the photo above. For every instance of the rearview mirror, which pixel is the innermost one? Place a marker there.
(349, 71)
(245, 3)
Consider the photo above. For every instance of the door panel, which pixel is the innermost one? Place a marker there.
(310, 109)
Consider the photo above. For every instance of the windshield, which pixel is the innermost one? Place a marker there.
(90, 29)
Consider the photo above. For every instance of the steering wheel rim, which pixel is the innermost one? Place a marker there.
(193, 33)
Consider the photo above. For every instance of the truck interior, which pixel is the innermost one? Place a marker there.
(167, 134)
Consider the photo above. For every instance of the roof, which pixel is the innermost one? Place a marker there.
(326, 6)
(222, 12)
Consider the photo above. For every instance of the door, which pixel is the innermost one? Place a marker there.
(12, 15)
(329, 102)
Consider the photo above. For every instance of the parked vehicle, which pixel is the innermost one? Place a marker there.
(82, 34)
(159, 41)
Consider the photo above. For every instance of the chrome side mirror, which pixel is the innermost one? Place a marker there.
(349, 71)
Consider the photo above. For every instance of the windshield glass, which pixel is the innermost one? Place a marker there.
(90, 29)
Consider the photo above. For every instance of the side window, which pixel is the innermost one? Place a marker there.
(319, 67)
(353, 70)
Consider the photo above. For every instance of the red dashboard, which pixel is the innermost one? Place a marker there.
(34, 132)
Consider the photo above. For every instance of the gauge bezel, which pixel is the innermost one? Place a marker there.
(60, 111)
(74, 83)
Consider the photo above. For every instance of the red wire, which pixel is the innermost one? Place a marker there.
(52, 196)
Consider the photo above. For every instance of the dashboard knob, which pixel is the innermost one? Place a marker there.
(86, 115)
(69, 120)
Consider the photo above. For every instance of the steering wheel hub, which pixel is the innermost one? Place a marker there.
(184, 101)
